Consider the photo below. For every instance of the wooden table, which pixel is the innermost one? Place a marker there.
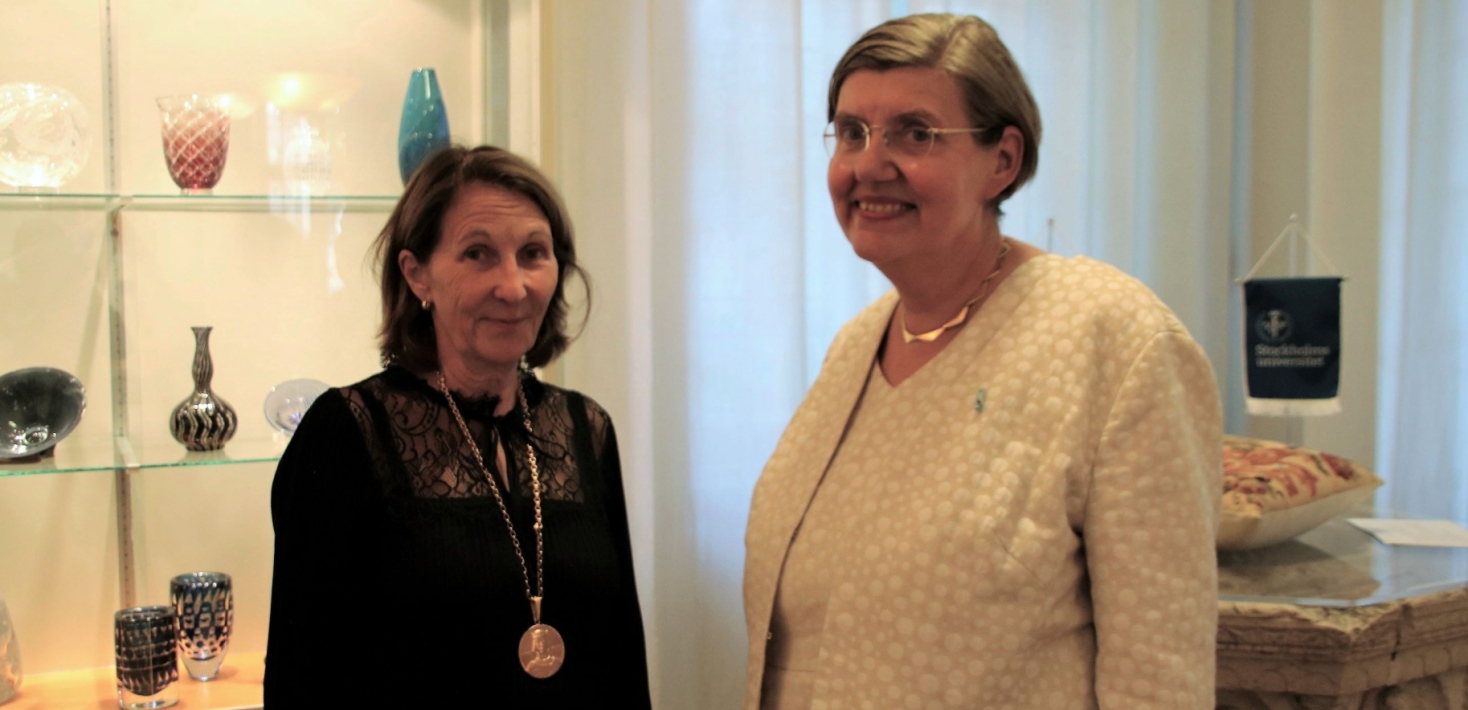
(238, 687)
(1335, 620)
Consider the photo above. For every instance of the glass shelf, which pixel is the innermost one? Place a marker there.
(163, 452)
(286, 203)
(260, 203)
(74, 455)
(239, 686)
(57, 201)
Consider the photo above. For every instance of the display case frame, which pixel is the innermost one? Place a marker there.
(505, 92)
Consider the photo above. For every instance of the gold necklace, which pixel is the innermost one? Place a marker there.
(928, 337)
(542, 651)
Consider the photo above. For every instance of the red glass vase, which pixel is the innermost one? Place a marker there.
(195, 140)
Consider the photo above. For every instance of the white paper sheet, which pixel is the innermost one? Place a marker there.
(1431, 533)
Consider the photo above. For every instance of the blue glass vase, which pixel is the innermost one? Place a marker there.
(425, 126)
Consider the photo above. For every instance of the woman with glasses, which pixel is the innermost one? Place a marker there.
(1002, 489)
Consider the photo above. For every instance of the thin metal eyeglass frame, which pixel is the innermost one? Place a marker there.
(832, 143)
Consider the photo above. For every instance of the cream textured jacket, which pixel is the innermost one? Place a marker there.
(1052, 548)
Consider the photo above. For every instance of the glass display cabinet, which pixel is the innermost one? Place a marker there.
(105, 274)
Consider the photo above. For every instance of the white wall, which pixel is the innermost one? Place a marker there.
(1345, 204)
(1313, 149)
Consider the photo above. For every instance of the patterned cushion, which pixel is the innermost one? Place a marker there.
(1273, 492)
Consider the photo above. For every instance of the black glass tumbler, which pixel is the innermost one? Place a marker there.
(146, 638)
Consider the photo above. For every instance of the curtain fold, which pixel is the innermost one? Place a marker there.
(1422, 425)
(686, 137)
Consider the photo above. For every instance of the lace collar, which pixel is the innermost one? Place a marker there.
(474, 408)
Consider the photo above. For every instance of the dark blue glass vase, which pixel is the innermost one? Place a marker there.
(425, 126)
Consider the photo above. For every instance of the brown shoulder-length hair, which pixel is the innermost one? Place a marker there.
(967, 49)
(416, 224)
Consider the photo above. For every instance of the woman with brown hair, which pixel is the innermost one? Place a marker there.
(452, 530)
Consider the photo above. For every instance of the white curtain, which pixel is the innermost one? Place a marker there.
(1422, 425)
(686, 136)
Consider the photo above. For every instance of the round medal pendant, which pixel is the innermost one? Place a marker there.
(542, 651)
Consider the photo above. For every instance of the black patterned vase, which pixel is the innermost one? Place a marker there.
(145, 639)
(203, 421)
(204, 606)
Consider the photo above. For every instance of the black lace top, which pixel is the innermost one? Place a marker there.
(395, 581)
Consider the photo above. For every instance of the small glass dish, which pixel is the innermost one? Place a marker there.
(39, 406)
(288, 402)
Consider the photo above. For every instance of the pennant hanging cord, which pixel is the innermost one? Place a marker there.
(1053, 232)
(1294, 228)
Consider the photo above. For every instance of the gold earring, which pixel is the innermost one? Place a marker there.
(427, 305)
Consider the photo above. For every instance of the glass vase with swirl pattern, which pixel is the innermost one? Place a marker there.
(203, 421)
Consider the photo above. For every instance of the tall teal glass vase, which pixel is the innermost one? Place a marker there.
(425, 126)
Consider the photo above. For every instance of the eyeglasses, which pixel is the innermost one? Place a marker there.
(849, 136)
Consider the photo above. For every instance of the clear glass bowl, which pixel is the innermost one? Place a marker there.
(288, 402)
(44, 136)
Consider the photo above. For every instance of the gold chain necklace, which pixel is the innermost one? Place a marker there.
(928, 337)
(542, 651)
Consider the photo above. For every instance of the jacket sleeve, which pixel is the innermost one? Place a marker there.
(319, 503)
(636, 693)
(1150, 522)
